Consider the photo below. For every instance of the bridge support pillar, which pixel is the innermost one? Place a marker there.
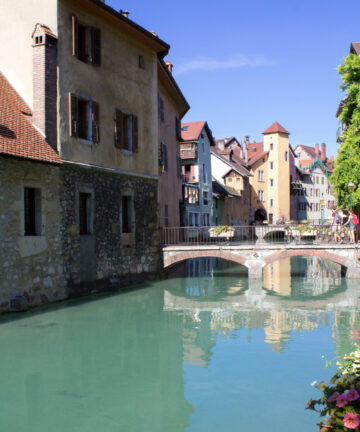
(255, 268)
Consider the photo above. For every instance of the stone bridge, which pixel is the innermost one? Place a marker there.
(256, 257)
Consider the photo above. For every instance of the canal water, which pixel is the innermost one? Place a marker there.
(202, 351)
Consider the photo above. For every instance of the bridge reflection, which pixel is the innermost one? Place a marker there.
(296, 296)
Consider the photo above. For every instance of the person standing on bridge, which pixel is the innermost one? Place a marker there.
(336, 224)
(352, 221)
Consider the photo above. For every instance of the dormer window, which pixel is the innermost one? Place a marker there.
(86, 42)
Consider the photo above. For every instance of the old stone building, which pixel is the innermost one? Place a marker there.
(89, 75)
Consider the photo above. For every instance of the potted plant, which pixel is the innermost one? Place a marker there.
(340, 402)
(222, 231)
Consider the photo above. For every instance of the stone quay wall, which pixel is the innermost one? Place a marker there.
(31, 267)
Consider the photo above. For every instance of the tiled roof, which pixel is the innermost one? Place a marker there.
(255, 147)
(274, 128)
(355, 48)
(257, 157)
(309, 150)
(18, 137)
(191, 131)
(235, 163)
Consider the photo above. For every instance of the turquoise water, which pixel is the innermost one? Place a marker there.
(202, 352)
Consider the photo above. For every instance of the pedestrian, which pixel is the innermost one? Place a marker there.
(336, 225)
(352, 221)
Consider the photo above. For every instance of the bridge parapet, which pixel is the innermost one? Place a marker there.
(256, 257)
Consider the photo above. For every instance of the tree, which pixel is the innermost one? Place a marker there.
(347, 162)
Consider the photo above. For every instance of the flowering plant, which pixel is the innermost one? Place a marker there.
(221, 229)
(340, 403)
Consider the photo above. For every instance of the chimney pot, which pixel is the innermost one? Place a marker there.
(125, 13)
(169, 65)
(317, 152)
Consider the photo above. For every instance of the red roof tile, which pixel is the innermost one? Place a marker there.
(257, 157)
(274, 128)
(355, 48)
(45, 29)
(191, 131)
(18, 137)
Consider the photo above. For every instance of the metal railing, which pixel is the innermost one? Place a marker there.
(251, 234)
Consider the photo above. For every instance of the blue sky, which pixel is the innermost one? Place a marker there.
(243, 64)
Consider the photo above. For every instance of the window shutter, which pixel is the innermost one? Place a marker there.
(73, 117)
(135, 139)
(178, 166)
(165, 158)
(95, 46)
(95, 122)
(118, 130)
(74, 25)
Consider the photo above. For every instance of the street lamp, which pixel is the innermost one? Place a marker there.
(351, 188)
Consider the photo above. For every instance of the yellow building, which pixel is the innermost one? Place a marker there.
(270, 163)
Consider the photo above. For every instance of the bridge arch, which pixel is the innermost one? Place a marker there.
(185, 255)
(307, 252)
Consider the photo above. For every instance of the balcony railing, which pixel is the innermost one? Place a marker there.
(188, 151)
(250, 234)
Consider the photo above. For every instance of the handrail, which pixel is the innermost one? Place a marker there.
(251, 234)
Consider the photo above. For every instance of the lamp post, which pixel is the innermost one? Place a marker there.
(351, 188)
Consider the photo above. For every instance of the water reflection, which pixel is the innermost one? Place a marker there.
(296, 296)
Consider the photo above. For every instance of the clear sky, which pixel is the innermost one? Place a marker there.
(243, 64)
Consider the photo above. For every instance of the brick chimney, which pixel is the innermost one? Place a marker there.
(323, 151)
(246, 149)
(317, 152)
(45, 83)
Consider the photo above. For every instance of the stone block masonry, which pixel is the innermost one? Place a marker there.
(108, 257)
(31, 266)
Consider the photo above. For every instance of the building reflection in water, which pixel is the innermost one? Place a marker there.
(296, 296)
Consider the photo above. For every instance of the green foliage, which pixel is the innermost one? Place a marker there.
(221, 229)
(340, 397)
(347, 162)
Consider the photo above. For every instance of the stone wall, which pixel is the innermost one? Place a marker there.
(107, 258)
(31, 267)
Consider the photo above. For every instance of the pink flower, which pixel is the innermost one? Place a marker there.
(351, 421)
(352, 395)
(333, 397)
(341, 400)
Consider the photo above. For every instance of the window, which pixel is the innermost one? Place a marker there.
(84, 118)
(141, 62)
(85, 213)
(311, 192)
(271, 202)
(126, 131)
(229, 179)
(191, 195)
(317, 179)
(86, 43)
(32, 211)
(261, 195)
(271, 182)
(163, 160)
(205, 198)
(271, 146)
(161, 114)
(206, 218)
(196, 219)
(238, 179)
(127, 214)
(261, 175)
(204, 174)
(322, 180)
(271, 165)
(203, 147)
(286, 156)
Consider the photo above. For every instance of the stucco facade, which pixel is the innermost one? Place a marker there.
(172, 106)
